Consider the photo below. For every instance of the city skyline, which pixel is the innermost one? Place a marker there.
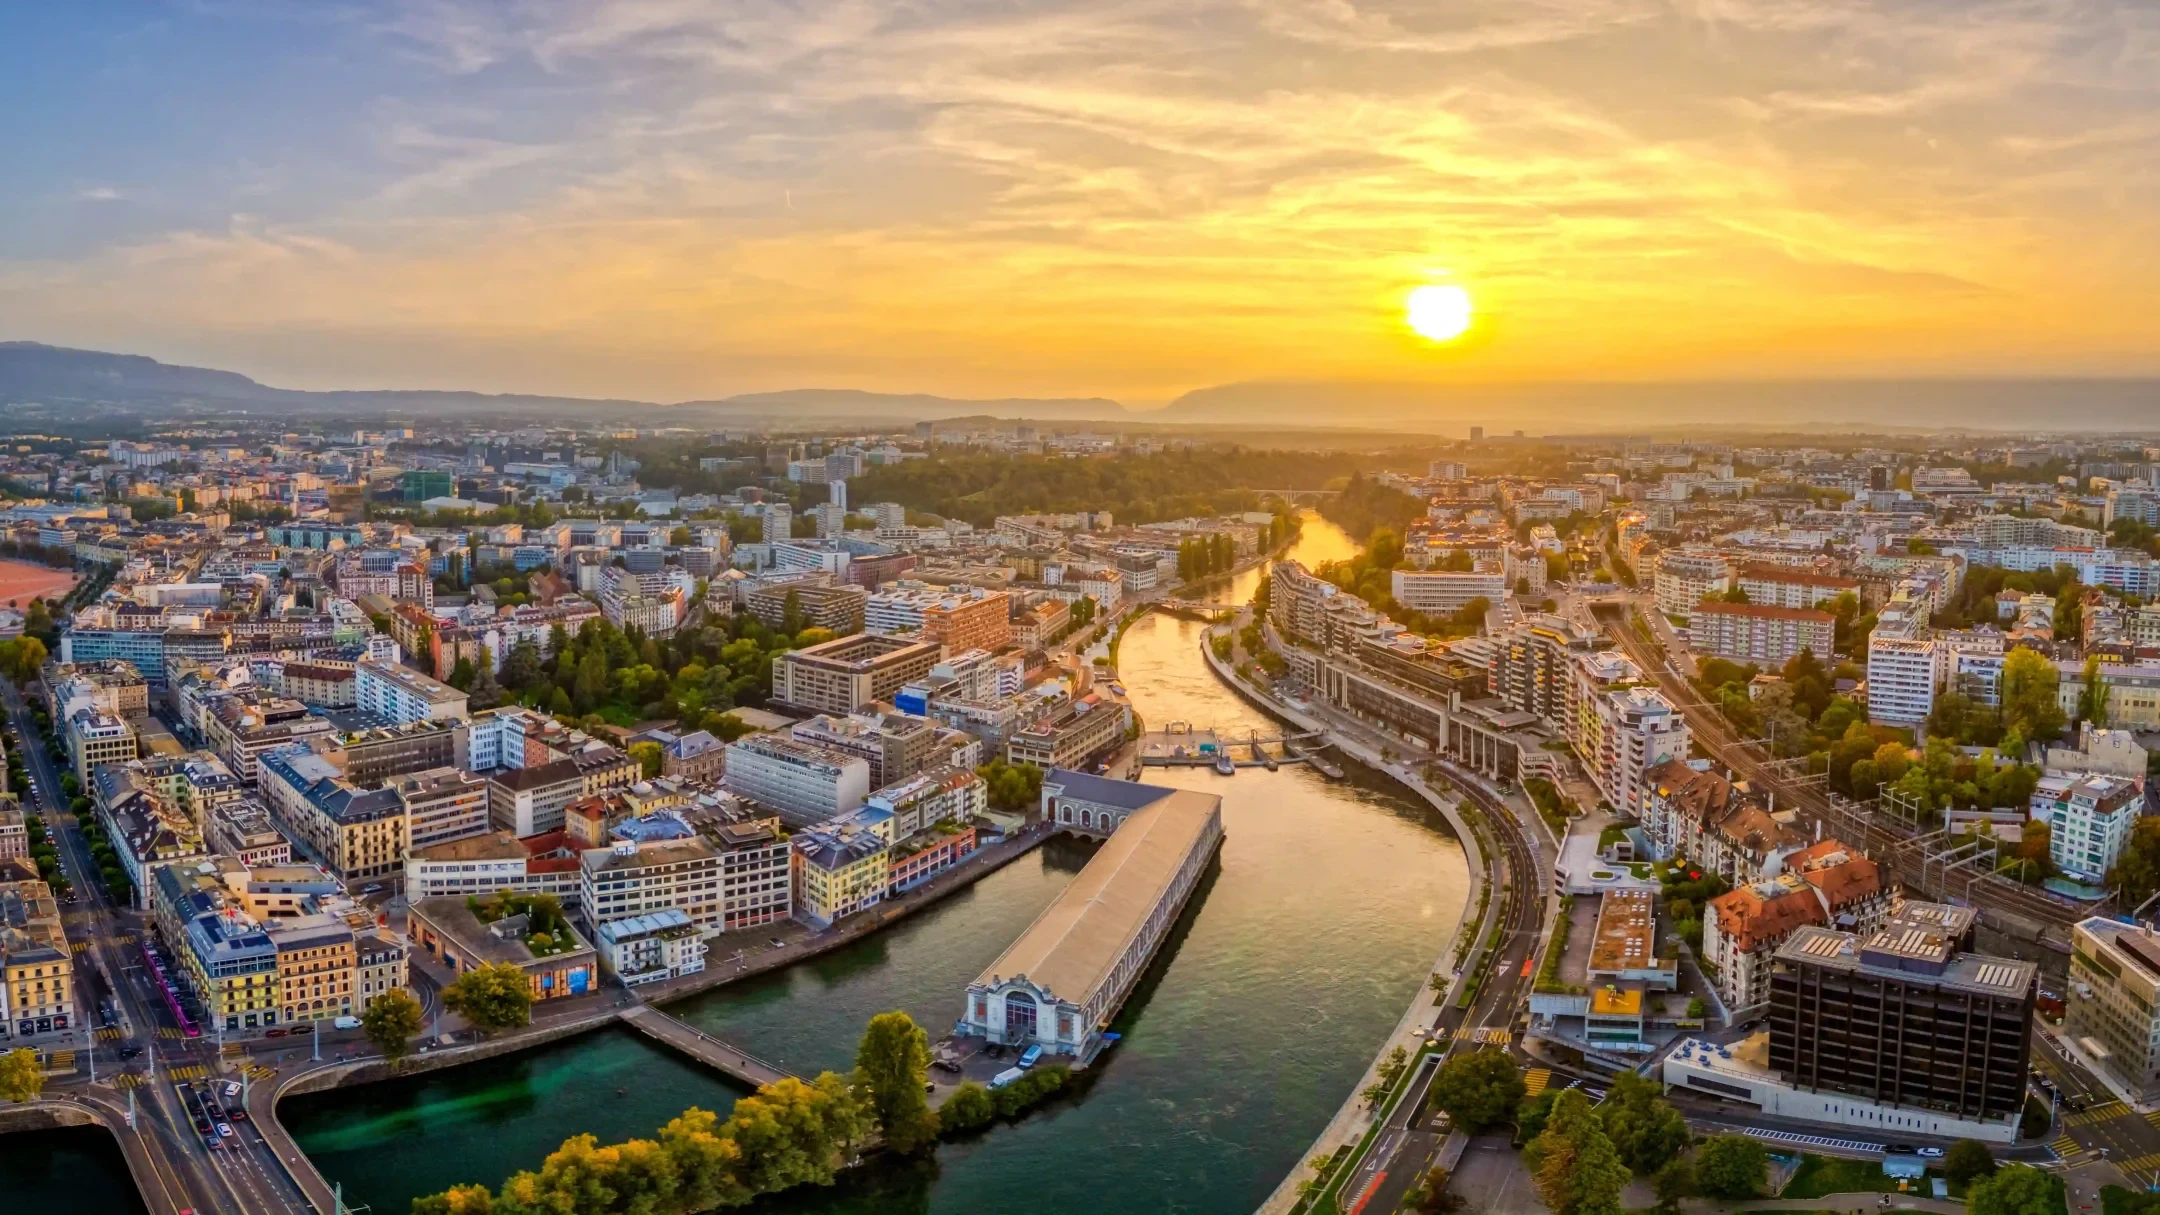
(682, 201)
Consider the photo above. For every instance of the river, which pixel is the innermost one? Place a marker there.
(1328, 905)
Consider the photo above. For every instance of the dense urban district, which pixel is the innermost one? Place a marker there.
(1803, 785)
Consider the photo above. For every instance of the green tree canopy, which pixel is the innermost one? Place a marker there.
(893, 1063)
(391, 1021)
(493, 997)
(1573, 1163)
(1969, 1160)
(21, 1078)
(1732, 1166)
(2015, 1189)
(1478, 1089)
(1645, 1129)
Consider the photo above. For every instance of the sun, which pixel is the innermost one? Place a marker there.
(1441, 313)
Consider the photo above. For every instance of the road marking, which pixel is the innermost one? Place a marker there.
(2153, 1117)
(2140, 1164)
(1535, 1080)
(127, 1080)
(110, 1033)
(62, 1059)
(193, 1071)
(262, 1073)
(2100, 1113)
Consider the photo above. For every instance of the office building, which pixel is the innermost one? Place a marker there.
(2112, 1006)
(754, 875)
(651, 948)
(455, 937)
(530, 800)
(37, 964)
(805, 784)
(356, 834)
(637, 877)
(850, 673)
(894, 745)
(1902, 1019)
(441, 805)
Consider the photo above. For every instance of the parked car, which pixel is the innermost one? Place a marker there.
(1931, 1151)
(276, 1031)
(346, 1023)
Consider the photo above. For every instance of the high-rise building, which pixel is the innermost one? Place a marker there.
(1902, 1018)
(779, 522)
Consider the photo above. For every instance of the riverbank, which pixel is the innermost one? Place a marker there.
(1354, 1118)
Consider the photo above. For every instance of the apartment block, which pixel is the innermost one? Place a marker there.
(1760, 634)
(530, 801)
(356, 834)
(400, 694)
(894, 745)
(442, 804)
(2089, 819)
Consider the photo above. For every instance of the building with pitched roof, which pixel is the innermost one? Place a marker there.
(1061, 982)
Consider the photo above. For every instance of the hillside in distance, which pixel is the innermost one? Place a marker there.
(56, 382)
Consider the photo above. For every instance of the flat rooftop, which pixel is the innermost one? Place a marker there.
(1071, 948)
(1626, 932)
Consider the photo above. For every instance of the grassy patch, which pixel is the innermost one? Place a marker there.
(1821, 1175)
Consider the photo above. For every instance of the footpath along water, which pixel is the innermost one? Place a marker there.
(1329, 902)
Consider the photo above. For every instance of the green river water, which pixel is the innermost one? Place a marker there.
(1300, 952)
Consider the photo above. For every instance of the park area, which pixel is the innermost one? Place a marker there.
(22, 581)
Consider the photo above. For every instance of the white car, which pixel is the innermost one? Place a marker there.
(224, 1130)
(1930, 1151)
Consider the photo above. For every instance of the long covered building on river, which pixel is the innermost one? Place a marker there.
(1059, 984)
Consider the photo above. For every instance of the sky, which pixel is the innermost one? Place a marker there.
(676, 199)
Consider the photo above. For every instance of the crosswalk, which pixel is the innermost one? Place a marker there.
(61, 1060)
(261, 1072)
(127, 1080)
(190, 1071)
(168, 1031)
(2104, 1112)
(2153, 1118)
(234, 1050)
(79, 946)
(2065, 1146)
(109, 1033)
(1494, 1037)
(1535, 1080)
(2140, 1164)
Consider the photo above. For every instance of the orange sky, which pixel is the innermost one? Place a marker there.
(1133, 198)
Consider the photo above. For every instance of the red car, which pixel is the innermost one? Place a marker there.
(278, 1032)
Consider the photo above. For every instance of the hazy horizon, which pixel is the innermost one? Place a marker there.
(671, 200)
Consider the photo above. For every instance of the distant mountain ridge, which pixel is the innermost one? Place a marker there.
(32, 373)
(55, 384)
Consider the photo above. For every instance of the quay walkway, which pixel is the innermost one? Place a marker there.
(703, 1047)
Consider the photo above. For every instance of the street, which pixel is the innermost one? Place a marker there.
(241, 1174)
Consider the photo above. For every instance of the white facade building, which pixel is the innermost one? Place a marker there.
(805, 784)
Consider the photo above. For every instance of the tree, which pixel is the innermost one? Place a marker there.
(1969, 1160)
(461, 675)
(893, 1064)
(21, 1078)
(1646, 1130)
(1429, 1195)
(391, 1021)
(1732, 1166)
(2028, 693)
(1576, 1170)
(493, 997)
(21, 658)
(485, 692)
(2014, 1189)
(649, 757)
(1532, 1113)
(1673, 1182)
(970, 1106)
(1479, 1089)
(521, 666)
(2093, 698)
(2137, 872)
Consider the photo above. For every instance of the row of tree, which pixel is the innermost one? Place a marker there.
(789, 1133)
(1201, 556)
(978, 487)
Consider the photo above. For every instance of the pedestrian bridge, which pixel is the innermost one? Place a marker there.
(703, 1047)
(1212, 612)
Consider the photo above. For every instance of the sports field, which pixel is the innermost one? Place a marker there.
(22, 581)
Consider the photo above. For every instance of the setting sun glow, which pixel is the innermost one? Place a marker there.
(1441, 313)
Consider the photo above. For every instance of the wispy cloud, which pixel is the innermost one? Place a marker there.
(1137, 196)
